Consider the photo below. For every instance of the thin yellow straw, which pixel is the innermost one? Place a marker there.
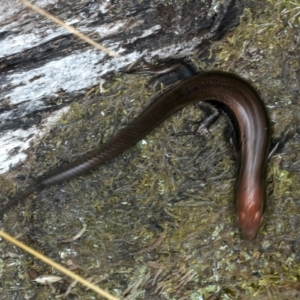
(15, 241)
(69, 28)
(57, 266)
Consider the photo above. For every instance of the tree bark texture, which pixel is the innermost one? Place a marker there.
(44, 68)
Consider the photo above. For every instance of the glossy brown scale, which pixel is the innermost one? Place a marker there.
(240, 102)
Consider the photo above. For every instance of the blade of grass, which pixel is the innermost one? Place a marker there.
(69, 28)
(56, 266)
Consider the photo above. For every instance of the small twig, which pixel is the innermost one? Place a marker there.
(155, 245)
(68, 291)
(75, 237)
(70, 28)
(56, 266)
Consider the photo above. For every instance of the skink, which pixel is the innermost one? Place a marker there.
(248, 116)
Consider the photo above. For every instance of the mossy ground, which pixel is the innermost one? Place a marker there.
(163, 184)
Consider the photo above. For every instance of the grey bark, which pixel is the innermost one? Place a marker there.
(43, 68)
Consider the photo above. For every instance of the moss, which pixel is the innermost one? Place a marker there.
(163, 183)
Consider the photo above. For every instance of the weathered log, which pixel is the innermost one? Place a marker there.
(44, 68)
